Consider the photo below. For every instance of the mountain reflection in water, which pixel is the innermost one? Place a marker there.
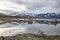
(36, 21)
(16, 27)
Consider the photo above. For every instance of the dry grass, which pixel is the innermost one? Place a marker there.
(30, 36)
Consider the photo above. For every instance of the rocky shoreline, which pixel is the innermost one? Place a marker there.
(30, 36)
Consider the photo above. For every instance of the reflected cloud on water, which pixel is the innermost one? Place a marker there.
(44, 26)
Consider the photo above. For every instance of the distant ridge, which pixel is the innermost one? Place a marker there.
(1, 14)
(44, 15)
(48, 15)
(26, 14)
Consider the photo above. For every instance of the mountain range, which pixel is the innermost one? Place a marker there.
(44, 15)
(48, 15)
(25, 14)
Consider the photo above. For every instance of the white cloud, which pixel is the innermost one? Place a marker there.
(7, 5)
(35, 6)
(49, 6)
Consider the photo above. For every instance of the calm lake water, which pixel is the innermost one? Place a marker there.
(13, 28)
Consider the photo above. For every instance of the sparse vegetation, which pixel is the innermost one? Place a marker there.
(30, 36)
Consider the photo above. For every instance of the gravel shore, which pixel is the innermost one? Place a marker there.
(30, 36)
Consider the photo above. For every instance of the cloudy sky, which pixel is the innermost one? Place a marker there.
(34, 6)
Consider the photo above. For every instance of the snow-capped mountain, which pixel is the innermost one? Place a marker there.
(45, 15)
(22, 14)
(48, 15)
(15, 13)
(26, 14)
